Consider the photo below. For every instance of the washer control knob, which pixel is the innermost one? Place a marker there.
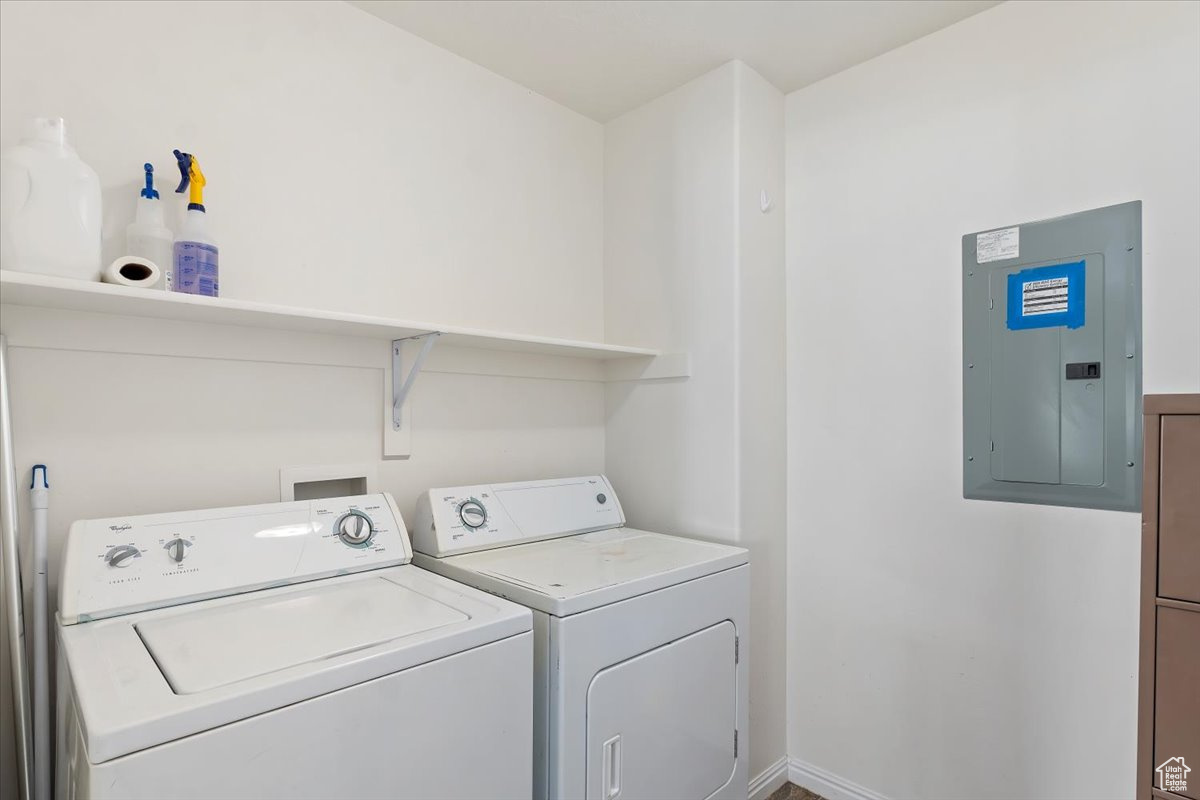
(472, 513)
(355, 528)
(122, 555)
(177, 549)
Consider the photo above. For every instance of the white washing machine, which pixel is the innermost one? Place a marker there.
(640, 673)
(285, 650)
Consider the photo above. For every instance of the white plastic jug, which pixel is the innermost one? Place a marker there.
(49, 206)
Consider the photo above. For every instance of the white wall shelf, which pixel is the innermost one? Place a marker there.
(410, 341)
(29, 289)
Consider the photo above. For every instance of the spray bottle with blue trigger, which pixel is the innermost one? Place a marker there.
(148, 237)
(195, 262)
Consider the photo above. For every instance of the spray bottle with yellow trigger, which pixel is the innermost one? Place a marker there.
(195, 259)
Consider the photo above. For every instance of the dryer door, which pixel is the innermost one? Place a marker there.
(661, 725)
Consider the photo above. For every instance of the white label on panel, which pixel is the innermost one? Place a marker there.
(1047, 296)
(997, 245)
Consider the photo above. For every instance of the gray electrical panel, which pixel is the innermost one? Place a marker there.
(1052, 375)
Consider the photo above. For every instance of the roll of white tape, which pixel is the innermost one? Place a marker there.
(133, 271)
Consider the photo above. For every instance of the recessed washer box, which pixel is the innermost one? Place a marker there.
(1052, 363)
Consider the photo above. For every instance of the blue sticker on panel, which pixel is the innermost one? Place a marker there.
(1047, 297)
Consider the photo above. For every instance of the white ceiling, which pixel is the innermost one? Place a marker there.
(605, 57)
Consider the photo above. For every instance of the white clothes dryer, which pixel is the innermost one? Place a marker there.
(640, 668)
(283, 651)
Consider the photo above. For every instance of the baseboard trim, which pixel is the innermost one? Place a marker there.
(826, 784)
(766, 782)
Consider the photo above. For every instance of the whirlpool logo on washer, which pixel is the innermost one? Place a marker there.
(1172, 775)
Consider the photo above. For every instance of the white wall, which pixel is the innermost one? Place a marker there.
(670, 256)
(351, 166)
(942, 648)
(759, 382)
(692, 265)
(132, 416)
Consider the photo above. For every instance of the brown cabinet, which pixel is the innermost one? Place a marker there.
(1179, 508)
(1177, 693)
(1169, 683)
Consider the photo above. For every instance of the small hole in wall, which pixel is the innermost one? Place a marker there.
(336, 487)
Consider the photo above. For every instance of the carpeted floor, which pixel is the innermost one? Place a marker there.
(790, 791)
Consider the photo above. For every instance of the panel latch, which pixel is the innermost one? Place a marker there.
(1083, 370)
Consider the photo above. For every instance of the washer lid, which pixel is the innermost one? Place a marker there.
(576, 573)
(156, 676)
(214, 647)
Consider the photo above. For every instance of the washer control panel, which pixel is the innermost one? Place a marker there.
(463, 519)
(117, 566)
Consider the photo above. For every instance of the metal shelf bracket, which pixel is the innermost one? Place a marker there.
(401, 386)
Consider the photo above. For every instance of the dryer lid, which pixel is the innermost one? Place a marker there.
(213, 647)
(575, 573)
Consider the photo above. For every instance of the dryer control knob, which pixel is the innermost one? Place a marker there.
(122, 555)
(472, 513)
(177, 549)
(355, 528)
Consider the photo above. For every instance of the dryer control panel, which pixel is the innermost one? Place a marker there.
(126, 564)
(463, 519)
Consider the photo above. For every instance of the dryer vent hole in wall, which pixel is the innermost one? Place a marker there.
(336, 487)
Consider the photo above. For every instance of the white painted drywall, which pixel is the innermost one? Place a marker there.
(943, 648)
(692, 264)
(142, 427)
(351, 166)
(606, 58)
(759, 383)
(670, 272)
(126, 432)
